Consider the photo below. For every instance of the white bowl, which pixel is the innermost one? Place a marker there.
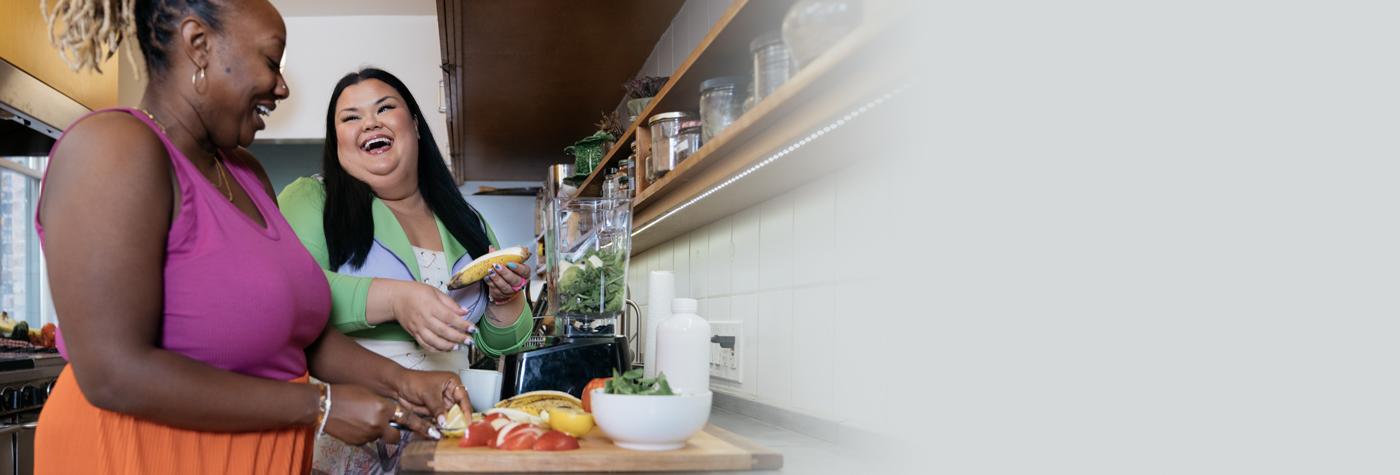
(650, 422)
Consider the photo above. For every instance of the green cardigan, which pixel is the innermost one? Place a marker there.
(303, 203)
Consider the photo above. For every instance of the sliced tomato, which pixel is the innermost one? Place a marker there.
(522, 438)
(555, 440)
(479, 434)
(596, 383)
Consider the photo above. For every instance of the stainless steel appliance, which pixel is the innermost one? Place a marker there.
(27, 376)
(32, 115)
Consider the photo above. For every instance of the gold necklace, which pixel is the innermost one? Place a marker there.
(222, 183)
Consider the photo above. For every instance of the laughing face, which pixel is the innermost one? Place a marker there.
(245, 75)
(377, 138)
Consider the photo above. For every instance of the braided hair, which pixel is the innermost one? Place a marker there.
(92, 30)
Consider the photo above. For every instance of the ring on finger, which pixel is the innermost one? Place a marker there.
(398, 413)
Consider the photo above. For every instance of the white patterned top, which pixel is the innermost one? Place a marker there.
(432, 267)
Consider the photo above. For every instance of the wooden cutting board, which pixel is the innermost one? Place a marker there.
(712, 449)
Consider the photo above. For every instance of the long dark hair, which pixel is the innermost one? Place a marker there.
(348, 220)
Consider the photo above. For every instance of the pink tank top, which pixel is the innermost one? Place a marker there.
(238, 296)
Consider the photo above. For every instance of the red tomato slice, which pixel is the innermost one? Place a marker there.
(555, 440)
(478, 434)
(522, 438)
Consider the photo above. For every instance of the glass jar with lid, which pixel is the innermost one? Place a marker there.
(721, 103)
(665, 143)
(772, 64)
(689, 140)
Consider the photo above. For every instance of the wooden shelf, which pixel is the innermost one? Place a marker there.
(852, 73)
(723, 52)
(862, 66)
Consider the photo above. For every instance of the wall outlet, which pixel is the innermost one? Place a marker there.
(725, 343)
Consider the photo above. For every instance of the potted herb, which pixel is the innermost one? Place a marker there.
(641, 90)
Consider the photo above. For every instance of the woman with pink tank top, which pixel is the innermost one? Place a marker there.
(190, 314)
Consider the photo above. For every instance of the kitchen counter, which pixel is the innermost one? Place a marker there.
(801, 454)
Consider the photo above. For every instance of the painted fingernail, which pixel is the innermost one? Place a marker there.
(433, 432)
(512, 265)
(472, 329)
(456, 347)
(442, 421)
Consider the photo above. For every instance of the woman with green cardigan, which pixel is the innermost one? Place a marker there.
(389, 227)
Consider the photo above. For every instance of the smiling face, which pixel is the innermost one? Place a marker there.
(377, 138)
(244, 74)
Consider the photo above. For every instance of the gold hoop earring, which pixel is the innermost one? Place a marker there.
(197, 78)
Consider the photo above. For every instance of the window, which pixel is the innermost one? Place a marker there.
(23, 283)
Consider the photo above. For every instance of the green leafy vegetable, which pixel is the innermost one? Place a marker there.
(632, 382)
(594, 283)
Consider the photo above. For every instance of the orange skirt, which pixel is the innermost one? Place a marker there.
(74, 436)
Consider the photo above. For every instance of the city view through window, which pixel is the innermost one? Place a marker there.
(21, 280)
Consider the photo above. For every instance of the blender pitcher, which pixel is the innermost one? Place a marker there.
(588, 268)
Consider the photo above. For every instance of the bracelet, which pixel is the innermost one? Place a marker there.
(325, 414)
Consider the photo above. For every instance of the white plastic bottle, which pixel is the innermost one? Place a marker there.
(683, 348)
(661, 290)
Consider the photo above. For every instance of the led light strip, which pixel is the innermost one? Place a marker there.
(779, 154)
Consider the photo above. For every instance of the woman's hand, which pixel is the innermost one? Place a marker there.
(505, 282)
(430, 315)
(359, 416)
(430, 394)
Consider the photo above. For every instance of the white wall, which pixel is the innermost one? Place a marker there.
(512, 218)
(322, 49)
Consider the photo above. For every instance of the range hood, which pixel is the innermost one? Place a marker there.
(32, 114)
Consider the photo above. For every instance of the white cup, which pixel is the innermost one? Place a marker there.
(483, 388)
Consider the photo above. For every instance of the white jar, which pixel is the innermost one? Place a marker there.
(661, 290)
(683, 349)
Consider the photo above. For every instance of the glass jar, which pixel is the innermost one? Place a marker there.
(690, 140)
(813, 26)
(665, 137)
(626, 178)
(772, 64)
(721, 103)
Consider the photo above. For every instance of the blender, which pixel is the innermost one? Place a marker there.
(587, 246)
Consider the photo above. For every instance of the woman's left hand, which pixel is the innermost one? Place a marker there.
(503, 282)
(430, 394)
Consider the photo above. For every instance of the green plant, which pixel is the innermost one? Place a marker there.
(611, 123)
(632, 382)
(645, 86)
(593, 284)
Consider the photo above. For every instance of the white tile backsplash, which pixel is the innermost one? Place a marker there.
(699, 263)
(744, 242)
(772, 377)
(813, 324)
(719, 266)
(776, 268)
(813, 232)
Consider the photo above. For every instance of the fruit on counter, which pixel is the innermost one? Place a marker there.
(537, 402)
(518, 436)
(515, 415)
(572, 421)
(632, 382)
(478, 268)
(555, 440)
(456, 422)
(20, 331)
(596, 383)
(479, 434)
